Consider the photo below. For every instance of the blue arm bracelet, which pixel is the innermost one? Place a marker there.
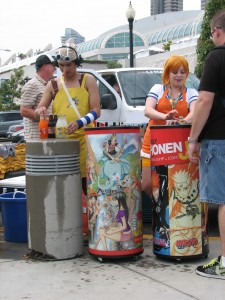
(90, 117)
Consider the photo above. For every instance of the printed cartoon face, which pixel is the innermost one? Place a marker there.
(114, 202)
(114, 140)
(182, 184)
(155, 194)
(182, 189)
(92, 201)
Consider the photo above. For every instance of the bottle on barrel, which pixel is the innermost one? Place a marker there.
(51, 126)
(61, 127)
(43, 127)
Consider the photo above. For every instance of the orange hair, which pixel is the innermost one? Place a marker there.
(172, 65)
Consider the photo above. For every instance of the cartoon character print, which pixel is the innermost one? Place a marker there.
(115, 166)
(185, 208)
(114, 174)
(185, 211)
(93, 210)
(160, 208)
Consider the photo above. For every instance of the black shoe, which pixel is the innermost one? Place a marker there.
(214, 269)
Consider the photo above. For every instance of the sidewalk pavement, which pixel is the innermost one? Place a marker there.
(141, 277)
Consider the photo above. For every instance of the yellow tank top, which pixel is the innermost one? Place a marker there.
(61, 106)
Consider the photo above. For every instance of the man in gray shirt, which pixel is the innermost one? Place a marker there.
(32, 93)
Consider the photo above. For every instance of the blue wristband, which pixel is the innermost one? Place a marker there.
(87, 119)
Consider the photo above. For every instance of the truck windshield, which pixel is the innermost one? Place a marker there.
(137, 83)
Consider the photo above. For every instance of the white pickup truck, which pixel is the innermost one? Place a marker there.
(134, 84)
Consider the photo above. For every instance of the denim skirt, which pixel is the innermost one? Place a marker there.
(212, 171)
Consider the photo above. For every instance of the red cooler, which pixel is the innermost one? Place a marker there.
(179, 218)
(114, 191)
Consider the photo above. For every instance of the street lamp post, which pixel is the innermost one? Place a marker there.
(130, 17)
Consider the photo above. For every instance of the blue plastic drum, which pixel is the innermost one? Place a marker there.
(14, 216)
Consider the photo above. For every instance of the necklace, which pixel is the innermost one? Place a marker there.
(173, 102)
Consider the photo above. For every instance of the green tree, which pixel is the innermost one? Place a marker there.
(205, 44)
(10, 90)
(167, 45)
(113, 65)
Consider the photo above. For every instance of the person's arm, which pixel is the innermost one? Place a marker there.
(208, 86)
(150, 106)
(192, 95)
(200, 116)
(189, 117)
(153, 114)
(45, 101)
(94, 104)
(94, 98)
(29, 99)
(150, 110)
(27, 112)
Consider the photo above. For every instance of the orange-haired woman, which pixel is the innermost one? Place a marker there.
(167, 104)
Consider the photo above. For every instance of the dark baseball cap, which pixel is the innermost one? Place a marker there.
(44, 59)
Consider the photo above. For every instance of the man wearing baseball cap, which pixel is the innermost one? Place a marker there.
(44, 59)
(32, 93)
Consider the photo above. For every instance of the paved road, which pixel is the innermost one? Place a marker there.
(142, 277)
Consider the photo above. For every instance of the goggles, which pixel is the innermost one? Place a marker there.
(66, 53)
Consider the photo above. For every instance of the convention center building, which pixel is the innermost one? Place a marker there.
(150, 34)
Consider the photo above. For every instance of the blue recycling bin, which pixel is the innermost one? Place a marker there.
(14, 216)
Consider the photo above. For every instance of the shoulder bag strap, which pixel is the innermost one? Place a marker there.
(70, 99)
(55, 87)
(81, 79)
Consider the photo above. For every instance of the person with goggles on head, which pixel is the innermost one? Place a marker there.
(74, 95)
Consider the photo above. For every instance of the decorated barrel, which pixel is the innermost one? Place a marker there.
(179, 218)
(114, 191)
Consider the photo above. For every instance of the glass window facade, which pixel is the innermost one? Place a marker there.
(114, 56)
(123, 40)
(193, 28)
(90, 45)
